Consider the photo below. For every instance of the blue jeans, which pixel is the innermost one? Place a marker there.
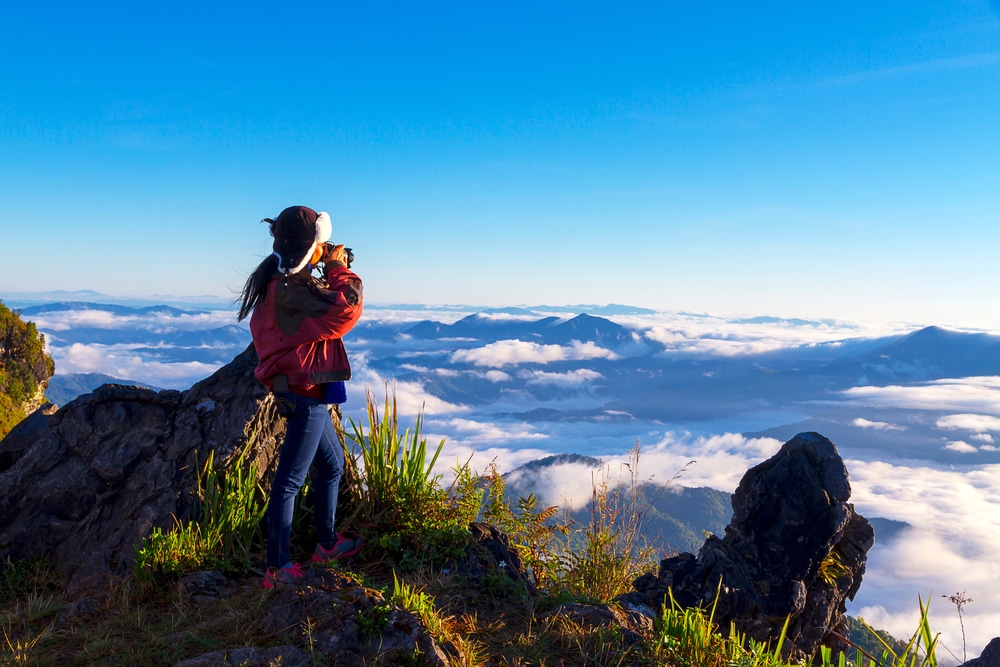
(310, 439)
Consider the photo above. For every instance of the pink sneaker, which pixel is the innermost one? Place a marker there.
(279, 577)
(344, 547)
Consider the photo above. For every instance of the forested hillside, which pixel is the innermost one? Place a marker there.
(25, 368)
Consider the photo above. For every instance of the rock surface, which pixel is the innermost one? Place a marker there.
(990, 657)
(347, 623)
(794, 548)
(489, 553)
(85, 484)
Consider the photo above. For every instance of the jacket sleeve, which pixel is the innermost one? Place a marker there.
(345, 293)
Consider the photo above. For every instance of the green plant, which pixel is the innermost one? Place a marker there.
(373, 620)
(960, 600)
(398, 500)
(832, 568)
(920, 651)
(532, 532)
(613, 552)
(418, 603)
(231, 509)
(24, 366)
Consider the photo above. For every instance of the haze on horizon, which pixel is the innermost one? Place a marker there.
(800, 161)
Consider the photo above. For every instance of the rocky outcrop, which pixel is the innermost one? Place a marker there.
(795, 548)
(990, 657)
(84, 484)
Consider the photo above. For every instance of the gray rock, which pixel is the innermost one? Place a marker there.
(348, 623)
(21, 437)
(206, 586)
(251, 656)
(97, 476)
(491, 552)
(790, 516)
(990, 657)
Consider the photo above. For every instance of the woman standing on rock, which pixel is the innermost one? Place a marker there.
(297, 322)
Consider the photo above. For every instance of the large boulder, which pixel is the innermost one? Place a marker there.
(795, 549)
(84, 484)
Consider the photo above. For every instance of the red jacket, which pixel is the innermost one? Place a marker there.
(297, 329)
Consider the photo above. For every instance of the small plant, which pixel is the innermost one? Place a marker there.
(372, 621)
(832, 568)
(960, 600)
(613, 553)
(532, 532)
(419, 604)
(398, 500)
(231, 511)
(920, 651)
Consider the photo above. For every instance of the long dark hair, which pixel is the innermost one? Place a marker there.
(256, 286)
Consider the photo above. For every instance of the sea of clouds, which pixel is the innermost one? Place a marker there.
(952, 507)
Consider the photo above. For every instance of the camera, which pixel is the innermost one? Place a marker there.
(348, 252)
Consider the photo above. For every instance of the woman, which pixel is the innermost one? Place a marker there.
(297, 322)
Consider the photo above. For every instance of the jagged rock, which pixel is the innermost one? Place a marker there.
(347, 623)
(791, 525)
(94, 478)
(491, 552)
(990, 657)
(206, 586)
(22, 436)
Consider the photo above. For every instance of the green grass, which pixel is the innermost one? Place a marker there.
(231, 509)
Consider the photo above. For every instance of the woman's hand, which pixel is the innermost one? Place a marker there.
(334, 253)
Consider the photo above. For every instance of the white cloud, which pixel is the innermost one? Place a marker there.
(961, 447)
(982, 437)
(952, 547)
(512, 352)
(580, 376)
(471, 432)
(878, 426)
(121, 361)
(971, 394)
(969, 422)
(496, 376)
(566, 485)
(411, 397)
(154, 321)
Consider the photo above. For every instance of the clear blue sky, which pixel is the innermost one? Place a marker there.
(770, 158)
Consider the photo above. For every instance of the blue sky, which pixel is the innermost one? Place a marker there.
(774, 158)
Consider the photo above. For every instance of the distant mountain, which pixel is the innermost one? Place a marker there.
(64, 388)
(675, 517)
(934, 352)
(610, 309)
(482, 327)
(64, 306)
(793, 321)
(546, 330)
(26, 299)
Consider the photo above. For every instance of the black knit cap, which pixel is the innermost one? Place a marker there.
(294, 232)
